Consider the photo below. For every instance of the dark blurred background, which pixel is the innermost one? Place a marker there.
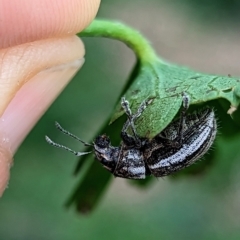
(203, 35)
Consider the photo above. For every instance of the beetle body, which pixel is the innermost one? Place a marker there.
(163, 155)
(121, 161)
(178, 146)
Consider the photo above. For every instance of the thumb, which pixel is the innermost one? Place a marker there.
(35, 72)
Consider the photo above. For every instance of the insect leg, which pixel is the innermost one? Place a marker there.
(131, 119)
(128, 139)
(185, 105)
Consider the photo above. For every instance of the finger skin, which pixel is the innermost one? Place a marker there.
(26, 60)
(27, 21)
(38, 57)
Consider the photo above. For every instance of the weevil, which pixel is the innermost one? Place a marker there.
(179, 145)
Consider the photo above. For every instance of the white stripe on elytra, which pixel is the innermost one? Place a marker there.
(185, 151)
(137, 170)
(133, 155)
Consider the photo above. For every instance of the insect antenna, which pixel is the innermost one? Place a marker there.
(64, 147)
(60, 128)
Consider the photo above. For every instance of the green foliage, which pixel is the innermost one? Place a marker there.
(164, 83)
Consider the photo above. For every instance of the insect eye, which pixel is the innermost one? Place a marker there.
(102, 141)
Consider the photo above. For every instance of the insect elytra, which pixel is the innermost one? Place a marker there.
(198, 135)
(179, 145)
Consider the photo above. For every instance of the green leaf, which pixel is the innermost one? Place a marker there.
(162, 81)
(91, 188)
(165, 83)
(93, 184)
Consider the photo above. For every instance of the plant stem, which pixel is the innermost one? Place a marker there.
(121, 32)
